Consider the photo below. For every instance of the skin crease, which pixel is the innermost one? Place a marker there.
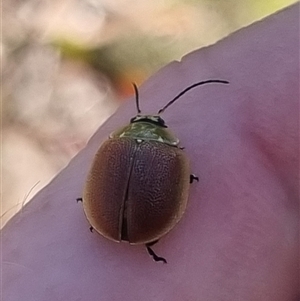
(238, 239)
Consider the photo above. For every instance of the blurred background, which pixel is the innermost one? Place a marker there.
(68, 64)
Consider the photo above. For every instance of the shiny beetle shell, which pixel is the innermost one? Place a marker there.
(137, 188)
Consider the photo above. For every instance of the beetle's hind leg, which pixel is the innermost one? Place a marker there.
(152, 253)
(81, 200)
(193, 178)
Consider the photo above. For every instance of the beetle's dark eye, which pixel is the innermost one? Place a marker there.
(161, 122)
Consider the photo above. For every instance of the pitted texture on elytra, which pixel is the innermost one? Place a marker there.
(143, 183)
(106, 186)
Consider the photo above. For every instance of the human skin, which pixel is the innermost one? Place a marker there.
(238, 239)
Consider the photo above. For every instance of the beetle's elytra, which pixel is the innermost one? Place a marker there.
(137, 187)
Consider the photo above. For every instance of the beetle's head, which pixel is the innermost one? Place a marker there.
(154, 119)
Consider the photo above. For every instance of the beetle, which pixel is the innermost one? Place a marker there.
(138, 185)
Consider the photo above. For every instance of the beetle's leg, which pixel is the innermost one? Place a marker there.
(152, 253)
(193, 177)
(80, 200)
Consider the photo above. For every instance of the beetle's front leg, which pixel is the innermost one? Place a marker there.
(193, 178)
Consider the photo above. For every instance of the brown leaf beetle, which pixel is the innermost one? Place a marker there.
(137, 187)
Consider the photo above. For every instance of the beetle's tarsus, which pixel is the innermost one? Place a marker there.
(193, 178)
(79, 200)
(154, 256)
(152, 253)
(91, 229)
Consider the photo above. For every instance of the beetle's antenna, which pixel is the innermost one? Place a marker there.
(136, 92)
(191, 87)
